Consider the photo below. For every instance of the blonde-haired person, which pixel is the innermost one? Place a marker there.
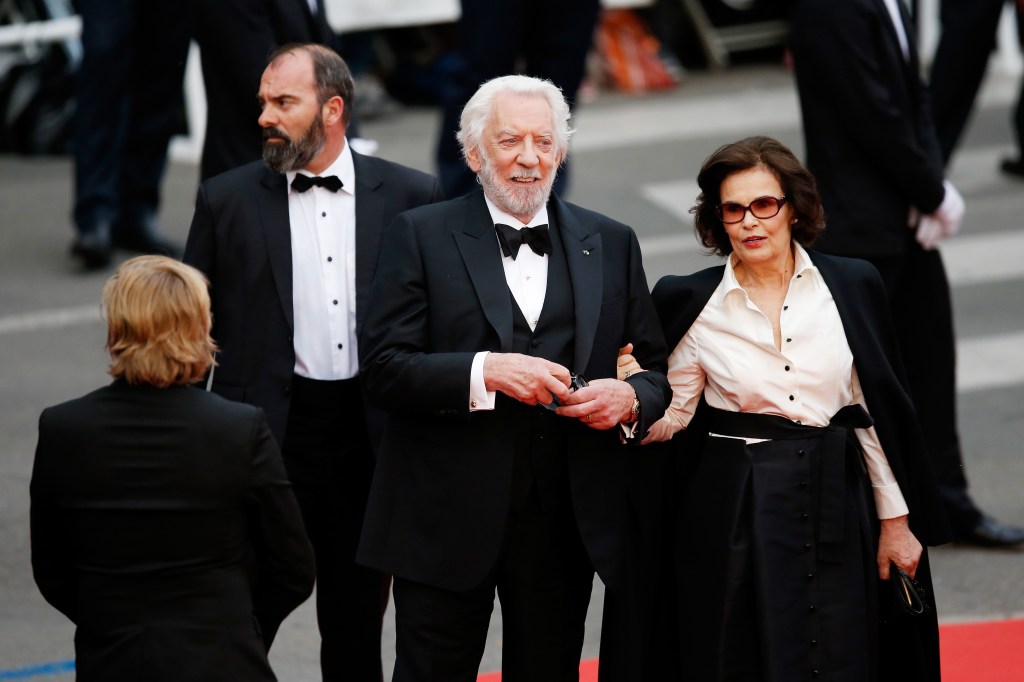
(155, 504)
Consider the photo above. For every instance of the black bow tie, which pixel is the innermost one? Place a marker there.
(302, 182)
(538, 238)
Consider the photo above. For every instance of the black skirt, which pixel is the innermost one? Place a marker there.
(776, 556)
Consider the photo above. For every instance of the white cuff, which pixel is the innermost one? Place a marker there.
(479, 397)
(889, 502)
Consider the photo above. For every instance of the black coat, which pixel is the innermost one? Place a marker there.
(164, 527)
(907, 648)
(867, 121)
(441, 492)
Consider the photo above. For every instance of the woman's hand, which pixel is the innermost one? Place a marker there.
(898, 545)
(627, 364)
(659, 432)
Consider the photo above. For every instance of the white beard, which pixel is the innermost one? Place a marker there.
(525, 200)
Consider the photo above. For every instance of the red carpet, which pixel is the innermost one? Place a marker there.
(991, 651)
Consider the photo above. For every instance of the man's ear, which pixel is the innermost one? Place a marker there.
(473, 158)
(333, 111)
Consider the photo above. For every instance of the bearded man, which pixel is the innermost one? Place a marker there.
(290, 246)
(494, 475)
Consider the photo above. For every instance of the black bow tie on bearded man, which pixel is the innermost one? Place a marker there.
(302, 182)
(537, 238)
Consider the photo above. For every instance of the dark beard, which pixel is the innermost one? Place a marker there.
(282, 157)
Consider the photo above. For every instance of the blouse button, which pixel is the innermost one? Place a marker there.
(787, 368)
(323, 214)
(329, 259)
(789, 340)
(792, 398)
(785, 307)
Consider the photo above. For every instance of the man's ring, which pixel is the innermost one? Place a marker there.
(590, 417)
(629, 374)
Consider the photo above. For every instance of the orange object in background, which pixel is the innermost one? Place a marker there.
(630, 54)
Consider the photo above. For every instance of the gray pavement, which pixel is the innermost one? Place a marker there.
(634, 159)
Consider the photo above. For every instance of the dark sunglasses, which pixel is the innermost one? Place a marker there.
(911, 597)
(730, 212)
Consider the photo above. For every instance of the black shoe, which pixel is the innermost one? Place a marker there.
(1013, 167)
(991, 533)
(93, 247)
(144, 237)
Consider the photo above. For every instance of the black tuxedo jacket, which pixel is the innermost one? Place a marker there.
(440, 495)
(868, 130)
(241, 239)
(863, 308)
(164, 527)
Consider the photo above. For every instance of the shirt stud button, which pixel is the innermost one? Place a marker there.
(323, 214)
(340, 346)
(329, 259)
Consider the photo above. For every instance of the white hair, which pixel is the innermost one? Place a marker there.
(477, 112)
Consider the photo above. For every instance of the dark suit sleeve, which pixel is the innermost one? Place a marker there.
(840, 45)
(199, 248)
(52, 562)
(396, 342)
(286, 567)
(644, 330)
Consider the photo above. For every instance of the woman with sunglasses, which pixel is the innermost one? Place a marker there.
(805, 468)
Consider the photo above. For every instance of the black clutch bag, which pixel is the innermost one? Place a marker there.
(910, 596)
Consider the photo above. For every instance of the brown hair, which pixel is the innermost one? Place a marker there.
(158, 322)
(330, 73)
(797, 184)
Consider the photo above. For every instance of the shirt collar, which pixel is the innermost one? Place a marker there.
(499, 216)
(801, 265)
(343, 167)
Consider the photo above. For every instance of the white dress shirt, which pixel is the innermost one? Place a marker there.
(527, 278)
(729, 356)
(323, 236)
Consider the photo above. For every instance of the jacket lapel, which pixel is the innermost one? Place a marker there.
(273, 213)
(473, 231)
(370, 206)
(585, 258)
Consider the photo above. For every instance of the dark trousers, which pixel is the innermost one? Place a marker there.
(968, 36)
(923, 313)
(543, 38)
(543, 579)
(128, 99)
(330, 463)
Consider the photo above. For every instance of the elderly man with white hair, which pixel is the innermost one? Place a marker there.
(507, 465)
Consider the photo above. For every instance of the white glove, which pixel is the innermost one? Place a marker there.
(945, 221)
(951, 210)
(929, 231)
